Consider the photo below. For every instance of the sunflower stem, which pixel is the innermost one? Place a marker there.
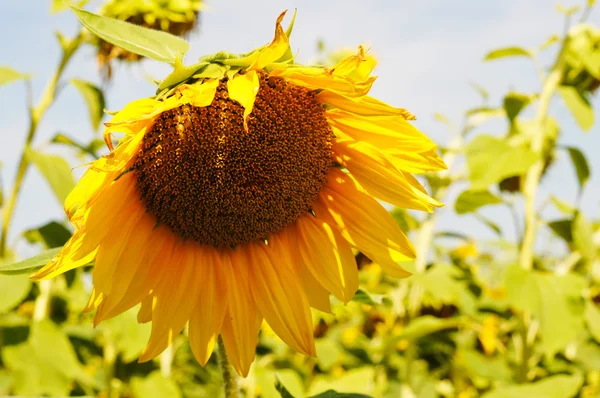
(230, 382)
(166, 361)
(538, 140)
(35, 115)
(42, 302)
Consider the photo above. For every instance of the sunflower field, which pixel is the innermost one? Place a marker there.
(263, 219)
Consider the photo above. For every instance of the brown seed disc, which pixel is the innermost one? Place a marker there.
(202, 174)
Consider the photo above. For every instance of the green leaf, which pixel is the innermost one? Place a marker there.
(352, 384)
(31, 264)
(548, 298)
(9, 75)
(14, 289)
(469, 201)
(329, 353)
(428, 324)
(562, 206)
(33, 377)
(579, 106)
(52, 235)
(154, 385)
(563, 229)
(129, 335)
(560, 386)
(507, 52)
(514, 103)
(150, 43)
(489, 223)
(282, 390)
(55, 170)
(365, 298)
(550, 41)
(582, 237)
(52, 346)
(94, 98)
(485, 95)
(592, 319)
(491, 159)
(581, 165)
(483, 369)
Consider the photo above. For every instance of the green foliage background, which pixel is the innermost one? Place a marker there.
(491, 319)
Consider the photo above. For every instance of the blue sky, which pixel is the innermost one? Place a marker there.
(428, 52)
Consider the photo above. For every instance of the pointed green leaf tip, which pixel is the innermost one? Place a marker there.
(288, 31)
(160, 46)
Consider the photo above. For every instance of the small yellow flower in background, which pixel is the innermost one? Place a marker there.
(177, 17)
(237, 195)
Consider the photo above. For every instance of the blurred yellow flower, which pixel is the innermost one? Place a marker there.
(238, 195)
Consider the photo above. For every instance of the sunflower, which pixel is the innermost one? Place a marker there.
(238, 195)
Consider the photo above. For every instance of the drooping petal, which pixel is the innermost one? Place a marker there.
(317, 295)
(242, 322)
(360, 106)
(93, 302)
(112, 247)
(127, 264)
(380, 131)
(145, 312)
(174, 299)
(279, 295)
(82, 246)
(156, 260)
(243, 89)
(379, 177)
(365, 224)
(275, 50)
(357, 67)
(71, 256)
(209, 313)
(329, 258)
(319, 79)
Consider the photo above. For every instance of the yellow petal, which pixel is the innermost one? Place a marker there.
(318, 79)
(279, 295)
(317, 295)
(174, 298)
(379, 176)
(361, 106)
(243, 89)
(71, 256)
(276, 49)
(199, 95)
(242, 322)
(156, 260)
(107, 267)
(93, 302)
(145, 313)
(128, 263)
(329, 258)
(357, 67)
(365, 224)
(380, 131)
(207, 317)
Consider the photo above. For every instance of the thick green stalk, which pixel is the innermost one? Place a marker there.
(230, 378)
(534, 174)
(35, 115)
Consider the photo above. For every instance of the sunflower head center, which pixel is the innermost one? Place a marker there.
(202, 174)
